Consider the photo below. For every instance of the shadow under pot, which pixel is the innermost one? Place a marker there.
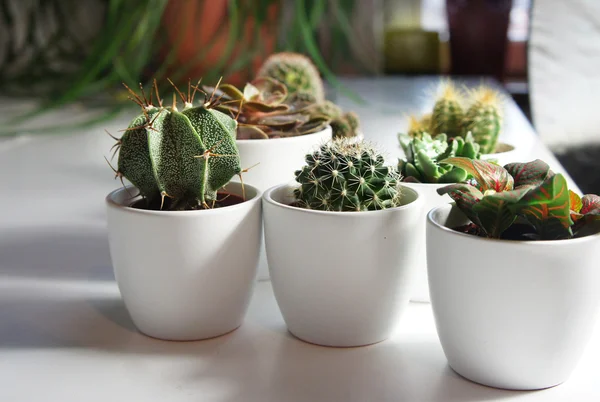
(185, 275)
(341, 278)
(511, 314)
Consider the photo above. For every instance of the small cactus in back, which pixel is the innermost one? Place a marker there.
(448, 114)
(346, 176)
(178, 159)
(483, 118)
(296, 71)
(423, 156)
(416, 127)
(345, 126)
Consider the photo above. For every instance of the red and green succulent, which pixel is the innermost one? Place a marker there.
(526, 193)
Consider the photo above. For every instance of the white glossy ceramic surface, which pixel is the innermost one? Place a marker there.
(503, 158)
(431, 199)
(274, 162)
(511, 314)
(341, 278)
(185, 275)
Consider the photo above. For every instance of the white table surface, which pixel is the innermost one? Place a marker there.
(65, 335)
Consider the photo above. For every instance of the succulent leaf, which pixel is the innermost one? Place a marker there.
(529, 174)
(489, 176)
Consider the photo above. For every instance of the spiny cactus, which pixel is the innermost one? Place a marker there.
(416, 127)
(483, 118)
(448, 114)
(423, 156)
(178, 160)
(345, 176)
(296, 71)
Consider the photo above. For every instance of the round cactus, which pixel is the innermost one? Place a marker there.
(296, 71)
(345, 176)
(179, 159)
(447, 116)
(483, 119)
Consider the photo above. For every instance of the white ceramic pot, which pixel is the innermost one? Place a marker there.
(341, 278)
(508, 153)
(431, 199)
(511, 314)
(275, 161)
(185, 275)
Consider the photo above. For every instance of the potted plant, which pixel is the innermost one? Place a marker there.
(283, 115)
(422, 169)
(457, 112)
(513, 274)
(184, 241)
(341, 245)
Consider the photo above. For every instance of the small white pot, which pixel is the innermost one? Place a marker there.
(431, 199)
(275, 161)
(185, 275)
(508, 154)
(511, 314)
(341, 278)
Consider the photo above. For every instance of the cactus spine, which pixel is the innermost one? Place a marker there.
(178, 159)
(483, 119)
(345, 176)
(448, 114)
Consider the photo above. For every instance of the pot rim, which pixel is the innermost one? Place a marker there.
(286, 139)
(530, 243)
(513, 149)
(112, 203)
(267, 197)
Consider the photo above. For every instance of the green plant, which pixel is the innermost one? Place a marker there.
(526, 194)
(448, 114)
(346, 176)
(264, 110)
(483, 118)
(178, 160)
(425, 157)
(296, 71)
(345, 125)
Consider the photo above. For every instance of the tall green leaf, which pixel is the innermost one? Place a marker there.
(494, 212)
(465, 196)
(529, 174)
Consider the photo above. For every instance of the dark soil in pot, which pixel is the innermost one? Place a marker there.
(515, 232)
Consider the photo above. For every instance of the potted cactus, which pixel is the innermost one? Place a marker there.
(423, 170)
(282, 115)
(457, 112)
(513, 274)
(184, 241)
(341, 245)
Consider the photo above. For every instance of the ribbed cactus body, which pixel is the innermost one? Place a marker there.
(344, 176)
(448, 114)
(296, 71)
(182, 156)
(423, 156)
(483, 120)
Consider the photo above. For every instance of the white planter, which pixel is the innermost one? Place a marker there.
(511, 314)
(277, 161)
(185, 275)
(341, 278)
(509, 154)
(431, 199)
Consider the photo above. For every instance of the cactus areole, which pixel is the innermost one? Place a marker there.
(178, 159)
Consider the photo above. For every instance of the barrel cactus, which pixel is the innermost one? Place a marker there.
(448, 114)
(296, 71)
(178, 159)
(483, 118)
(347, 176)
(423, 156)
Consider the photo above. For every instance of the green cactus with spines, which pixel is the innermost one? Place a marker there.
(296, 71)
(448, 114)
(416, 127)
(423, 156)
(353, 121)
(179, 159)
(483, 118)
(347, 176)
